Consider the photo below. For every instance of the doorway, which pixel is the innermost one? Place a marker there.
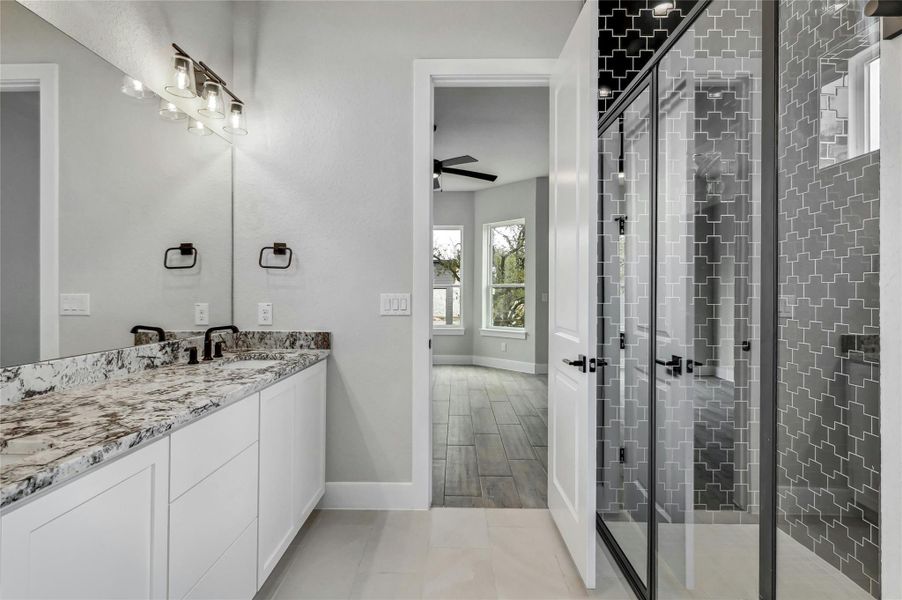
(30, 212)
(489, 297)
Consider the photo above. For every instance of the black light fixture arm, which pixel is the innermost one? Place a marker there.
(202, 68)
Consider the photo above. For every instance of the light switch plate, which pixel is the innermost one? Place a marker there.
(264, 313)
(75, 305)
(394, 305)
(201, 313)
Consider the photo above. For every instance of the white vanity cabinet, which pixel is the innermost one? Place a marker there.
(292, 460)
(204, 513)
(213, 491)
(103, 535)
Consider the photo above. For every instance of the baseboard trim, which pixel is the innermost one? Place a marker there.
(490, 361)
(370, 495)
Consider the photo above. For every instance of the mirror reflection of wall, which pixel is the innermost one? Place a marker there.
(130, 184)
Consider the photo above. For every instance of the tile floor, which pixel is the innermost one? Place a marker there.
(446, 553)
(490, 438)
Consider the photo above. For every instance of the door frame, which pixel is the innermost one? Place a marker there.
(44, 78)
(429, 74)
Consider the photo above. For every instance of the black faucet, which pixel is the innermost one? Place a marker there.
(208, 343)
(158, 330)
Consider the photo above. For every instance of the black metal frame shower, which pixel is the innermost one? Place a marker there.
(647, 79)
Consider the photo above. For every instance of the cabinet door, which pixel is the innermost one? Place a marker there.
(276, 518)
(309, 473)
(101, 536)
(292, 460)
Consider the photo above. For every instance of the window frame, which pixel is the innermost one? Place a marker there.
(488, 328)
(451, 329)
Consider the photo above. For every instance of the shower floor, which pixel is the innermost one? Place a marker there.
(720, 557)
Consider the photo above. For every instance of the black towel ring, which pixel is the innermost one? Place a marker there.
(278, 249)
(185, 249)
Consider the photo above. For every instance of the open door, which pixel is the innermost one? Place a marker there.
(572, 299)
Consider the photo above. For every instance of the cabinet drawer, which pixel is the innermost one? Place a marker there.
(205, 521)
(203, 447)
(234, 576)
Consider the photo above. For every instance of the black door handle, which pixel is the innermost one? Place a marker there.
(579, 363)
(675, 364)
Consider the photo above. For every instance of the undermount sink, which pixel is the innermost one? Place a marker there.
(253, 360)
(250, 363)
(18, 450)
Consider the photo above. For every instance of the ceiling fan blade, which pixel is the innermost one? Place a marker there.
(473, 174)
(458, 160)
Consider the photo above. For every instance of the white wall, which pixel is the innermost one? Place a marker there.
(891, 318)
(456, 208)
(130, 185)
(515, 201)
(525, 199)
(327, 169)
(20, 197)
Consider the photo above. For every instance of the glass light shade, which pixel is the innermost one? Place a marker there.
(170, 111)
(134, 88)
(197, 127)
(662, 8)
(236, 123)
(213, 105)
(181, 80)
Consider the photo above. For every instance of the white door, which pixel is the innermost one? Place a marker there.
(572, 266)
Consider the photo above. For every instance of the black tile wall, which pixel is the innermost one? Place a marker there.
(829, 356)
(628, 34)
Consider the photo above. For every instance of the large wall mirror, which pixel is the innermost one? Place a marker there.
(95, 187)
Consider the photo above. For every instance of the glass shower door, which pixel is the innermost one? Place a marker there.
(625, 287)
(707, 309)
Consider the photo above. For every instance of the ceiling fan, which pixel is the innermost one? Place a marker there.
(441, 167)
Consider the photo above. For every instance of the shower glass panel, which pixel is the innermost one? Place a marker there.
(828, 350)
(708, 255)
(625, 288)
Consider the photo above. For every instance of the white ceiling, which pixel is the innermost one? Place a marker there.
(505, 129)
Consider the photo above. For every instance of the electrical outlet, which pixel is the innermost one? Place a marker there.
(394, 305)
(504, 346)
(75, 305)
(264, 313)
(201, 313)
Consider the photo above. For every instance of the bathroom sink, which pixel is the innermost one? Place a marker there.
(253, 360)
(18, 450)
(250, 363)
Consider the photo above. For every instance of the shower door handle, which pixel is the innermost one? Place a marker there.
(675, 364)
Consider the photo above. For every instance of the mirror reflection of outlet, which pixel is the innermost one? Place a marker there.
(504, 346)
(264, 313)
(201, 313)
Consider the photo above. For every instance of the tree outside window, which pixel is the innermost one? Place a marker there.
(446, 277)
(507, 274)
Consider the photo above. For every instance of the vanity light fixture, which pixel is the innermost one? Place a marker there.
(170, 111)
(134, 88)
(212, 96)
(237, 122)
(197, 127)
(191, 78)
(662, 8)
(604, 92)
(182, 82)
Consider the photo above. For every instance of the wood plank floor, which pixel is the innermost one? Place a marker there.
(489, 438)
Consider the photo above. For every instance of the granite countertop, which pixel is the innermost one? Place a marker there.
(51, 438)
